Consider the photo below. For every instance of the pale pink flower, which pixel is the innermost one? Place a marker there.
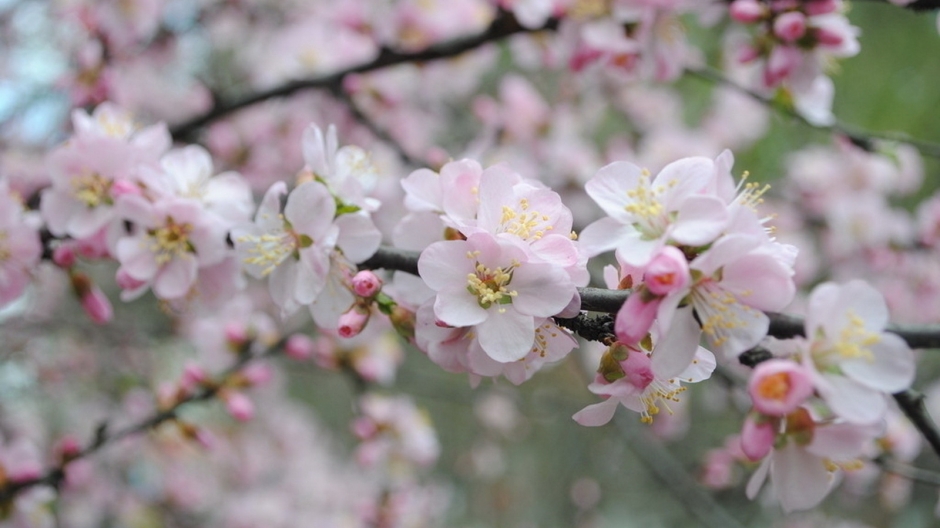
(20, 247)
(644, 212)
(171, 241)
(628, 376)
(493, 284)
(806, 456)
(348, 172)
(187, 173)
(854, 362)
(293, 249)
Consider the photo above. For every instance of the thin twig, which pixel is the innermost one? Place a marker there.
(377, 131)
(504, 25)
(858, 136)
(53, 477)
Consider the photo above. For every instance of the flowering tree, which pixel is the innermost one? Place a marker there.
(450, 227)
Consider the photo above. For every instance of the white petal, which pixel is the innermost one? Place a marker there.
(506, 336)
(596, 414)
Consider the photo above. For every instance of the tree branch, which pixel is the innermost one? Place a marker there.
(860, 137)
(54, 476)
(504, 25)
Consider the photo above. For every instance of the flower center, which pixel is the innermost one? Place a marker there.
(659, 392)
(719, 311)
(523, 223)
(774, 387)
(269, 250)
(854, 341)
(171, 241)
(646, 205)
(489, 285)
(92, 190)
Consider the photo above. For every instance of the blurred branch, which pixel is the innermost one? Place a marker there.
(862, 138)
(504, 25)
(916, 474)
(102, 437)
(377, 131)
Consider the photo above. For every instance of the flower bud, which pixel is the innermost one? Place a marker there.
(747, 11)
(352, 322)
(635, 317)
(778, 387)
(820, 7)
(366, 284)
(790, 26)
(239, 406)
(64, 255)
(299, 346)
(193, 375)
(757, 437)
(97, 306)
(667, 272)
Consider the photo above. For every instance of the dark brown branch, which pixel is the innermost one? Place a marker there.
(504, 25)
(862, 138)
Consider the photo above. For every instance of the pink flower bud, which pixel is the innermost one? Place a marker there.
(635, 318)
(193, 375)
(364, 428)
(757, 437)
(747, 54)
(236, 334)
(747, 11)
(667, 272)
(124, 187)
(239, 406)
(299, 346)
(68, 446)
(790, 26)
(820, 7)
(778, 387)
(828, 37)
(637, 369)
(783, 60)
(352, 322)
(366, 284)
(64, 256)
(257, 373)
(97, 306)
(126, 282)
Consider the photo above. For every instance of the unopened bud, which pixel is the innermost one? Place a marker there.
(366, 284)
(757, 437)
(64, 256)
(299, 346)
(790, 26)
(352, 322)
(747, 11)
(239, 406)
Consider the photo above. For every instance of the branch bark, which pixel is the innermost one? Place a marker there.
(503, 26)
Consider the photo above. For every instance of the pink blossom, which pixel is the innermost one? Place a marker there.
(20, 247)
(238, 405)
(171, 241)
(667, 272)
(294, 248)
(853, 361)
(778, 386)
(299, 346)
(644, 212)
(628, 376)
(494, 284)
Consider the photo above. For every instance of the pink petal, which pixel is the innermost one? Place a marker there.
(457, 307)
(800, 479)
(891, 370)
(310, 209)
(175, 278)
(445, 264)
(604, 235)
(609, 188)
(700, 221)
